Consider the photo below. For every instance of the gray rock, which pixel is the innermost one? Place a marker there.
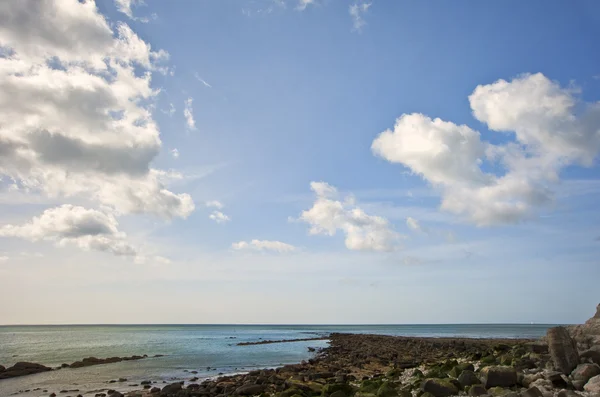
(563, 350)
(249, 390)
(578, 384)
(477, 390)
(558, 379)
(468, 378)
(532, 392)
(591, 355)
(530, 378)
(2, 368)
(171, 389)
(585, 372)
(567, 393)
(502, 376)
(439, 387)
(155, 390)
(593, 385)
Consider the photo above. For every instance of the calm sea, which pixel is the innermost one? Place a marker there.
(186, 348)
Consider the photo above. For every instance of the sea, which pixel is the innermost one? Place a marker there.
(209, 350)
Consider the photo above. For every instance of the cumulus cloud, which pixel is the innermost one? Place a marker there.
(76, 118)
(219, 217)
(264, 245)
(329, 215)
(188, 112)
(551, 129)
(87, 229)
(214, 204)
(357, 12)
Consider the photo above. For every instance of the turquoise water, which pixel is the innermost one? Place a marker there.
(187, 348)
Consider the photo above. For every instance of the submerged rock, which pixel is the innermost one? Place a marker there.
(563, 350)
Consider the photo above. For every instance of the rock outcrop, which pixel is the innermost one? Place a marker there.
(588, 334)
(22, 369)
(563, 350)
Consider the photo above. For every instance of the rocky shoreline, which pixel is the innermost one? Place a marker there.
(565, 363)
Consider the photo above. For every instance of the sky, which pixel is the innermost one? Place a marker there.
(299, 161)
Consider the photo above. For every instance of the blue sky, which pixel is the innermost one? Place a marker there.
(279, 197)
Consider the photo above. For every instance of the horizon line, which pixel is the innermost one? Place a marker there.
(266, 324)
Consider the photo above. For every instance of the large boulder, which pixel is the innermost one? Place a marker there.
(591, 355)
(439, 387)
(585, 372)
(249, 390)
(171, 390)
(468, 378)
(23, 368)
(2, 368)
(563, 350)
(587, 334)
(502, 376)
(593, 385)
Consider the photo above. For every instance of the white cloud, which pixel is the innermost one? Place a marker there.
(363, 231)
(200, 79)
(414, 224)
(171, 110)
(125, 6)
(357, 12)
(264, 245)
(302, 4)
(552, 129)
(219, 217)
(189, 115)
(214, 204)
(75, 119)
(175, 153)
(86, 228)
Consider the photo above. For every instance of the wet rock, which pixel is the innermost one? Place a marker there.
(468, 378)
(501, 376)
(145, 382)
(563, 349)
(52, 394)
(532, 392)
(122, 379)
(171, 389)
(593, 385)
(585, 371)
(155, 390)
(439, 387)
(249, 390)
(22, 369)
(2, 368)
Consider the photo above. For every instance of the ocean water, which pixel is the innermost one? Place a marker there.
(186, 348)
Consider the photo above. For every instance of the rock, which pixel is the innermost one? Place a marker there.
(593, 385)
(477, 390)
(386, 390)
(498, 391)
(585, 371)
(338, 393)
(155, 390)
(558, 379)
(52, 394)
(23, 368)
(532, 392)
(331, 388)
(567, 393)
(249, 390)
(171, 389)
(439, 387)
(145, 382)
(530, 378)
(591, 355)
(563, 349)
(468, 378)
(499, 376)
(122, 379)
(2, 368)
(115, 394)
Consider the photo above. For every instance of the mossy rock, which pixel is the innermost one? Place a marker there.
(363, 394)
(331, 388)
(394, 373)
(387, 390)
(506, 359)
(418, 374)
(489, 360)
(427, 394)
(292, 392)
(458, 369)
(370, 386)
